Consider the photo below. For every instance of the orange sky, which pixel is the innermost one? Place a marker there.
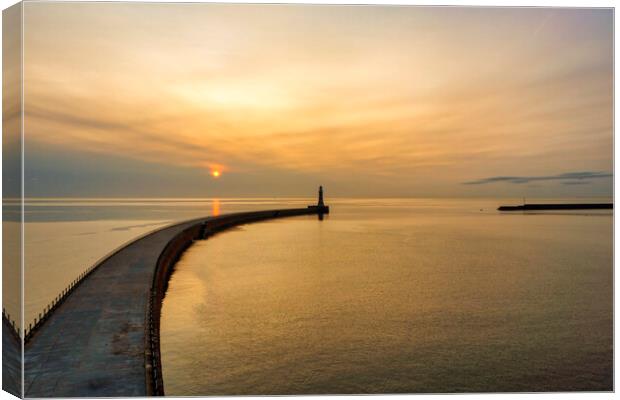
(370, 100)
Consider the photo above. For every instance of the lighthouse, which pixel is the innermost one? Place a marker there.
(320, 205)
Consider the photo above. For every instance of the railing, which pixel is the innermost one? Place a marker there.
(11, 323)
(32, 327)
(48, 309)
(165, 263)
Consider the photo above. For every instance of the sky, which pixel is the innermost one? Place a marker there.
(147, 100)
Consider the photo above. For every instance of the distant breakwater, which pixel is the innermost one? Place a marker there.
(543, 207)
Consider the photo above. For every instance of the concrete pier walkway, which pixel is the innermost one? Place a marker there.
(11, 358)
(102, 340)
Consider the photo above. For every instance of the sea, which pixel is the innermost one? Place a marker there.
(379, 296)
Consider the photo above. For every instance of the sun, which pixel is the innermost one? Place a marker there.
(215, 173)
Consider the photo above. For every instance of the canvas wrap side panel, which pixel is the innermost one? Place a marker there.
(12, 145)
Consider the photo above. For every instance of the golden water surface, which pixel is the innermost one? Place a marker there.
(391, 296)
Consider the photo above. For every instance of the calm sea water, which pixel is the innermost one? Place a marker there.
(387, 296)
(381, 296)
(64, 237)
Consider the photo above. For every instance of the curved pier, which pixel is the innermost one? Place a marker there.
(11, 357)
(102, 340)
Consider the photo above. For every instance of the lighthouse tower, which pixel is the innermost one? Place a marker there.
(320, 206)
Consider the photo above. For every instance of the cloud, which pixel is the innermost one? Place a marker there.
(582, 182)
(570, 178)
(277, 96)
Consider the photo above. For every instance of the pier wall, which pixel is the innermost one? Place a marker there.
(165, 265)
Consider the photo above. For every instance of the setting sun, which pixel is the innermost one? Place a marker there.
(215, 174)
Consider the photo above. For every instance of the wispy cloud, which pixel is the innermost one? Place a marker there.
(569, 178)
(274, 96)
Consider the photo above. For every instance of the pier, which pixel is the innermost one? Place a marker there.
(11, 357)
(101, 339)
